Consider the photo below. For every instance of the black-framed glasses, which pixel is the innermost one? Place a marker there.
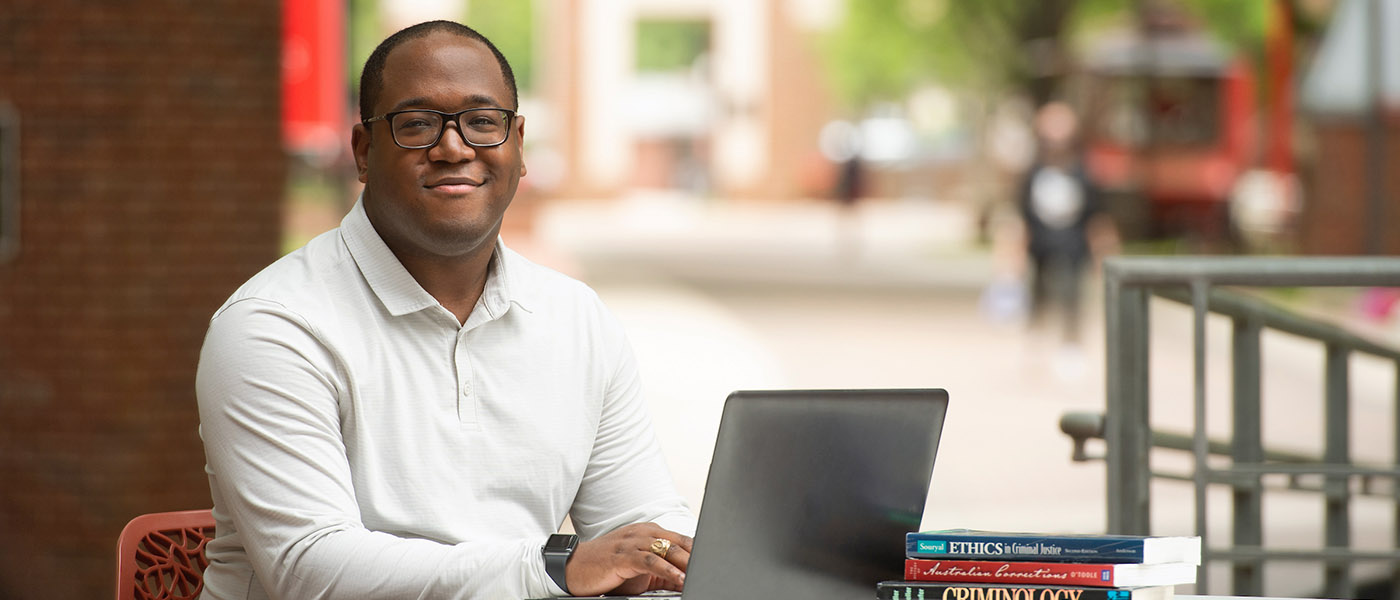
(422, 128)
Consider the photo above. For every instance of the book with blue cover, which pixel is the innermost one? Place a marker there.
(995, 545)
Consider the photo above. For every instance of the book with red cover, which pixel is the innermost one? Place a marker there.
(1049, 573)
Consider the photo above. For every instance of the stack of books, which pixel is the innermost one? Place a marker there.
(962, 564)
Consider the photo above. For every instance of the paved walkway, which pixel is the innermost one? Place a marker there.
(801, 296)
(718, 298)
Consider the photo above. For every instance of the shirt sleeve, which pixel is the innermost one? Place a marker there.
(627, 480)
(267, 390)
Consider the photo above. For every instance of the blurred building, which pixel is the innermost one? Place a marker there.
(1352, 93)
(1170, 120)
(143, 181)
(735, 111)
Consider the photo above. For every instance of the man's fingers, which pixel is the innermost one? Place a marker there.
(677, 539)
(675, 553)
(679, 556)
(684, 541)
(676, 547)
(664, 568)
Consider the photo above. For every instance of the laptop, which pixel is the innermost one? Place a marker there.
(810, 493)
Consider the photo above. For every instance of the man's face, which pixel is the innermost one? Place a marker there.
(448, 199)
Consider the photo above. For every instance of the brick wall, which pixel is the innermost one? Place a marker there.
(1336, 199)
(151, 176)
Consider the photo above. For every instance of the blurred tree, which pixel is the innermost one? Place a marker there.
(1239, 23)
(364, 36)
(510, 25)
(1244, 24)
(884, 49)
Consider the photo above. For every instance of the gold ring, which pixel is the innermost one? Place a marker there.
(660, 547)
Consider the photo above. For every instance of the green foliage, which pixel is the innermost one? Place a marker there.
(885, 49)
(1240, 24)
(364, 36)
(510, 25)
(1092, 16)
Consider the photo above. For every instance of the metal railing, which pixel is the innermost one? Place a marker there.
(1129, 284)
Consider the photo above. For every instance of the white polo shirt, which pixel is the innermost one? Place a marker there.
(362, 444)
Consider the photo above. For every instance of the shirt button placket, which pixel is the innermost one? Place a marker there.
(466, 399)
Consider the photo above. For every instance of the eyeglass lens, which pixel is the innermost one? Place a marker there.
(485, 127)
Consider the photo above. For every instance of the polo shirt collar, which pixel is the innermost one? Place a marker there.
(506, 282)
(398, 291)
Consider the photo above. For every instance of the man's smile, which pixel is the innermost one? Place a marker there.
(454, 185)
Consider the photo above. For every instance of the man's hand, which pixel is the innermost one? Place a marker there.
(622, 562)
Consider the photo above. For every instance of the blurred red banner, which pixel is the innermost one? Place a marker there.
(314, 90)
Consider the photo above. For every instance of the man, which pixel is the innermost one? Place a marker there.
(405, 408)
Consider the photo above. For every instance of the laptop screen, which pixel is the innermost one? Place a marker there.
(810, 492)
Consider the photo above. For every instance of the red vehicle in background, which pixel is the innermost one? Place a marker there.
(1170, 129)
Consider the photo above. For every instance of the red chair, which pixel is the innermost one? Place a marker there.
(160, 556)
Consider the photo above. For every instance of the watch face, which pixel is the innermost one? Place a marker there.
(560, 543)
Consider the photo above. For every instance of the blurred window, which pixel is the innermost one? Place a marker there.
(665, 46)
(1167, 111)
(1185, 111)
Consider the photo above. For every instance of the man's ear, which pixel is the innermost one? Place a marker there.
(359, 146)
(520, 140)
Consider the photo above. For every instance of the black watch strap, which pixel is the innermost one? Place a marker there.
(557, 551)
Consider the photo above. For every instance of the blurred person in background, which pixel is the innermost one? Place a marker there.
(850, 188)
(406, 408)
(1063, 222)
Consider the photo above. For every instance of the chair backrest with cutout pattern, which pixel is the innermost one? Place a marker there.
(160, 556)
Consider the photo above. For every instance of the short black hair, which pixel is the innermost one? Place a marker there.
(372, 78)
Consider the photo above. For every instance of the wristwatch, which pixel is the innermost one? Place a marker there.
(557, 551)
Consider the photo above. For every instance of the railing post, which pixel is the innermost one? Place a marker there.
(1247, 578)
(1126, 431)
(1337, 514)
(1200, 447)
(1395, 487)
